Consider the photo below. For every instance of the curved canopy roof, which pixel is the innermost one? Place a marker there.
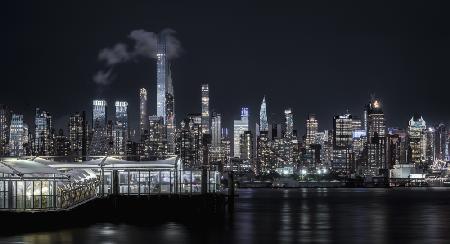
(22, 166)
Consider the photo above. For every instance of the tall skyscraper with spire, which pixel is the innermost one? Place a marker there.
(165, 101)
(263, 123)
(143, 119)
(205, 109)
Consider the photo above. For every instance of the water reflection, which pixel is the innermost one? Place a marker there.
(290, 216)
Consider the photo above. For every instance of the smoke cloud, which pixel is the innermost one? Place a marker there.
(144, 47)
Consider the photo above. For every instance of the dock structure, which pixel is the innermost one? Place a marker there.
(40, 184)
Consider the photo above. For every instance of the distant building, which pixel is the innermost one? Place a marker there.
(121, 130)
(18, 135)
(5, 120)
(441, 142)
(165, 100)
(143, 118)
(100, 141)
(189, 141)
(78, 136)
(376, 139)
(263, 122)
(62, 145)
(416, 140)
(43, 141)
(312, 127)
(205, 109)
(342, 144)
(239, 127)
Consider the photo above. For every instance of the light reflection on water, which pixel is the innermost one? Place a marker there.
(290, 216)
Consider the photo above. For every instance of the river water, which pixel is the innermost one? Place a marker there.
(333, 215)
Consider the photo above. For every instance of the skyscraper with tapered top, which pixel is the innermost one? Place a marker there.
(263, 123)
(165, 100)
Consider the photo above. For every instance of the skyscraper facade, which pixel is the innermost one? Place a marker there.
(5, 120)
(121, 130)
(289, 123)
(417, 140)
(263, 122)
(312, 127)
(205, 109)
(342, 143)
(239, 127)
(376, 138)
(143, 118)
(43, 128)
(216, 128)
(441, 143)
(78, 136)
(17, 135)
(165, 100)
(100, 141)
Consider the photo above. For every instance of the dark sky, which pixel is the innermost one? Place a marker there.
(322, 57)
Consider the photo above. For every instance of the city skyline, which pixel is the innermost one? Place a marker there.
(387, 53)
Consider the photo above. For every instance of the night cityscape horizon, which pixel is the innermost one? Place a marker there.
(235, 122)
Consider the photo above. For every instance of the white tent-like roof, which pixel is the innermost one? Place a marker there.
(21, 166)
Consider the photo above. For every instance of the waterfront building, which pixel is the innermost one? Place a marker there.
(239, 127)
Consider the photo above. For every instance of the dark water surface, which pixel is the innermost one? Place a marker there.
(406, 215)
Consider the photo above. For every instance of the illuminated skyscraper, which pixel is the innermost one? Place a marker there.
(289, 133)
(441, 143)
(5, 120)
(216, 127)
(417, 140)
(100, 142)
(143, 118)
(312, 126)
(17, 135)
(205, 109)
(121, 131)
(263, 123)
(43, 128)
(78, 133)
(165, 100)
(342, 143)
(239, 127)
(376, 138)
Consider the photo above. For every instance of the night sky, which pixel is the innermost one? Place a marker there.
(321, 57)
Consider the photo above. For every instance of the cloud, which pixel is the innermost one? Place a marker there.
(145, 46)
(103, 77)
(145, 43)
(115, 55)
